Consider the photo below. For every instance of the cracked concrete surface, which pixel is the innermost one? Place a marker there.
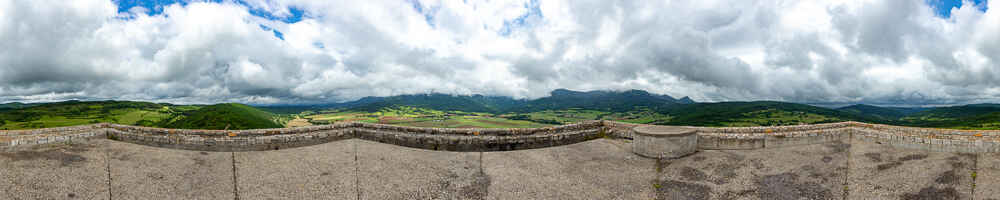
(55, 171)
(596, 169)
(880, 171)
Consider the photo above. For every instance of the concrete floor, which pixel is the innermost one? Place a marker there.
(884, 172)
(597, 169)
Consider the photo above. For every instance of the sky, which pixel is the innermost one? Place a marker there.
(883, 52)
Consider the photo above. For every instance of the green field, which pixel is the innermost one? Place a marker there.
(72, 113)
(228, 116)
(79, 113)
(724, 114)
(421, 117)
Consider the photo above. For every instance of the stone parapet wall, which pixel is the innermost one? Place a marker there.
(235, 142)
(775, 129)
(937, 133)
(587, 125)
(229, 133)
(56, 130)
(479, 139)
(477, 143)
(448, 139)
(664, 141)
(932, 139)
(502, 139)
(619, 129)
(923, 142)
(12, 140)
(752, 140)
(67, 137)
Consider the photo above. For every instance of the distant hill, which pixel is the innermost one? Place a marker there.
(757, 113)
(959, 111)
(885, 113)
(686, 100)
(562, 106)
(230, 116)
(618, 101)
(973, 116)
(466, 103)
(70, 113)
(15, 105)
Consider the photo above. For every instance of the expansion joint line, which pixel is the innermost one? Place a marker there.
(847, 170)
(236, 185)
(975, 172)
(357, 178)
(484, 190)
(107, 162)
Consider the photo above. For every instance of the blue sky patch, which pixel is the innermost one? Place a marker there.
(943, 7)
(534, 11)
(155, 7)
(296, 13)
(427, 13)
(277, 33)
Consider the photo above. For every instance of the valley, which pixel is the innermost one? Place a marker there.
(476, 111)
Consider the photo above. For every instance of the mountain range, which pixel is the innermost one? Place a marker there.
(636, 103)
(614, 101)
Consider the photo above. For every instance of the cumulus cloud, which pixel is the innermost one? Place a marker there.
(305, 51)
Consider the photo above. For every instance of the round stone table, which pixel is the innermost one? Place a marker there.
(664, 141)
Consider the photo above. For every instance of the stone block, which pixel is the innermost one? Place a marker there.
(664, 141)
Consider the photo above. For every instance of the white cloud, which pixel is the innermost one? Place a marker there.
(807, 51)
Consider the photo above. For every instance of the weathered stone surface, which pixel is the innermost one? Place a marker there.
(394, 172)
(881, 171)
(504, 139)
(789, 162)
(596, 169)
(988, 176)
(55, 171)
(798, 172)
(664, 141)
(324, 171)
(141, 172)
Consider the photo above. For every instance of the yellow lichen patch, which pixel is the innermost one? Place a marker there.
(768, 131)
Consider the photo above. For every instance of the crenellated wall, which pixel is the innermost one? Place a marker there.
(504, 139)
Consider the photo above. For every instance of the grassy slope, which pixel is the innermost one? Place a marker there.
(430, 101)
(423, 117)
(238, 116)
(885, 113)
(976, 116)
(759, 113)
(72, 113)
(227, 116)
(15, 105)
